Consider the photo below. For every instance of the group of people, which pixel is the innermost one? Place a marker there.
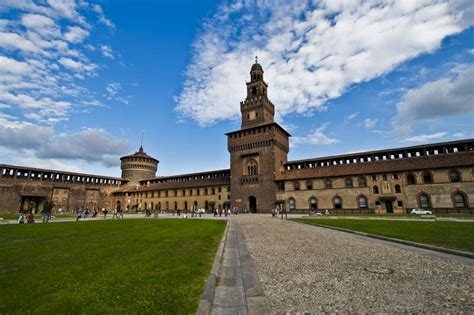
(220, 211)
(30, 218)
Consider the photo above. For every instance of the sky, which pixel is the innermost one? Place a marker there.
(81, 81)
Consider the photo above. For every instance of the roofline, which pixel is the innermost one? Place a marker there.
(251, 128)
(58, 171)
(421, 146)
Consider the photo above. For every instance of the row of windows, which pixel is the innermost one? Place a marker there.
(184, 192)
(337, 203)
(459, 200)
(186, 178)
(454, 176)
(379, 157)
(138, 159)
(59, 177)
(208, 205)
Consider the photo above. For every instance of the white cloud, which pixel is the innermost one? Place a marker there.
(316, 136)
(113, 92)
(426, 137)
(40, 143)
(102, 19)
(449, 96)
(107, 51)
(370, 123)
(13, 41)
(310, 53)
(76, 34)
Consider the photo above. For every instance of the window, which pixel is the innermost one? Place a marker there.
(309, 185)
(424, 201)
(362, 182)
(454, 177)
(398, 189)
(411, 179)
(375, 189)
(292, 204)
(349, 183)
(400, 203)
(328, 183)
(296, 185)
(459, 200)
(337, 203)
(280, 186)
(313, 203)
(374, 177)
(395, 176)
(252, 167)
(427, 178)
(362, 202)
(384, 177)
(254, 91)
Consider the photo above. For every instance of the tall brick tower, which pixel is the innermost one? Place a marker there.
(258, 150)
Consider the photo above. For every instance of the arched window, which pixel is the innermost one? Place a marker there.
(292, 203)
(398, 189)
(427, 178)
(454, 176)
(309, 185)
(328, 183)
(254, 91)
(313, 203)
(167, 205)
(349, 183)
(411, 179)
(362, 182)
(424, 201)
(459, 200)
(337, 203)
(252, 167)
(362, 202)
(375, 189)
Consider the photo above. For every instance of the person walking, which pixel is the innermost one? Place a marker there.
(229, 212)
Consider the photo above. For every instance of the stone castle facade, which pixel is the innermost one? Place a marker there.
(438, 176)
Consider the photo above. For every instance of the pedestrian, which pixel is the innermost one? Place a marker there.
(121, 213)
(273, 212)
(86, 213)
(228, 212)
(78, 214)
(105, 212)
(30, 218)
(21, 218)
(115, 215)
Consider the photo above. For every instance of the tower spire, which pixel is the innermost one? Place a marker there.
(256, 59)
(141, 143)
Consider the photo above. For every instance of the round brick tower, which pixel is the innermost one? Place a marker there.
(138, 166)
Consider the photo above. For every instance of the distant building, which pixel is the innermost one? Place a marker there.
(439, 177)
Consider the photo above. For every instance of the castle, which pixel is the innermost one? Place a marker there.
(439, 177)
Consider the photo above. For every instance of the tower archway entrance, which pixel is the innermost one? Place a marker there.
(252, 202)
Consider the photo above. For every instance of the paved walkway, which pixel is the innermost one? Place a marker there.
(305, 268)
(238, 288)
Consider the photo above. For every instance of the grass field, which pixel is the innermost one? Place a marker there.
(455, 235)
(123, 266)
(406, 215)
(38, 216)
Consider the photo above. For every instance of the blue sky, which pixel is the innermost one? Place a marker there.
(81, 80)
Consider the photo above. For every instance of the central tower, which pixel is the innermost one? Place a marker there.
(257, 151)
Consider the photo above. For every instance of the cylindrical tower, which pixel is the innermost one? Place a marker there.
(138, 166)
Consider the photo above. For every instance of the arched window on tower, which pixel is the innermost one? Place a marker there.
(254, 91)
(252, 167)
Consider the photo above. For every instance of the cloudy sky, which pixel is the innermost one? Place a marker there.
(80, 81)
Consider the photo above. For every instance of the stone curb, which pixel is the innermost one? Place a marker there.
(207, 297)
(396, 240)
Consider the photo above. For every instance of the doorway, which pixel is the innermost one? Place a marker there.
(252, 204)
(388, 206)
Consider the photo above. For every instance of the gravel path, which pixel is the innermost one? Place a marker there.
(310, 269)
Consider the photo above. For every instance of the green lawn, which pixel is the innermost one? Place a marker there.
(406, 215)
(122, 266)
(455, 235)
